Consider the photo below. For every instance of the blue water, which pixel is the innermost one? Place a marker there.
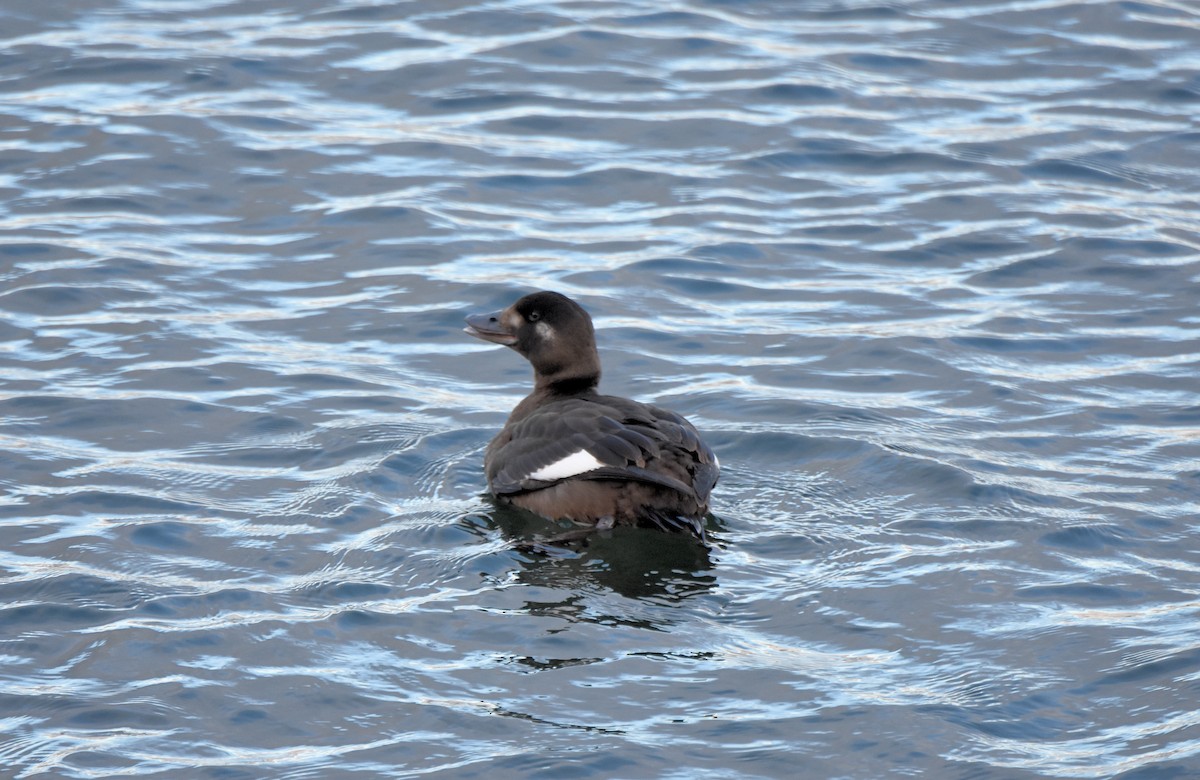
(926, 274)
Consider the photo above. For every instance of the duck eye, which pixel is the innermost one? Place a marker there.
(534, 316)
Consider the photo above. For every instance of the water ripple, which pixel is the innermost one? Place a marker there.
(924, 274)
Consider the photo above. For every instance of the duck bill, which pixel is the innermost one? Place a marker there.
(491, 327)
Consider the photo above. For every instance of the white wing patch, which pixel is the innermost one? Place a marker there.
(572, 465)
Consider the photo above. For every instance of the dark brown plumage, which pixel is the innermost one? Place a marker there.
(568, 452)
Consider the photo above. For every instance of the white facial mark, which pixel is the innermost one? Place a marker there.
(572, 465)
(544, 331)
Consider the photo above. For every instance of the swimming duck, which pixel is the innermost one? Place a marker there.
(568, 452)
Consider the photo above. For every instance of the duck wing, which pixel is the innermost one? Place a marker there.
(599, 438)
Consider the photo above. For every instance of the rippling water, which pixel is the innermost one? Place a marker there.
(927, 274)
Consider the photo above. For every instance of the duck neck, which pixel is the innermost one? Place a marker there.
(566, 385)
(550, 387)
(567, 373)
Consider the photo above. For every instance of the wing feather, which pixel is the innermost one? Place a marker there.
(631, 441)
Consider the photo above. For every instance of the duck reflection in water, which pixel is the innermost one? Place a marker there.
(633, 562)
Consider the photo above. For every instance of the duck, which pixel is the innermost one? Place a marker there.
(567, 452)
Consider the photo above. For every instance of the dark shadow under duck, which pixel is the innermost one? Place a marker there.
(568, 452)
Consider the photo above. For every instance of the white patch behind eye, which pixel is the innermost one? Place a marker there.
(572, 465)
(544, 331)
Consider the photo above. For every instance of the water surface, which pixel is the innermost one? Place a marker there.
(926, 274)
